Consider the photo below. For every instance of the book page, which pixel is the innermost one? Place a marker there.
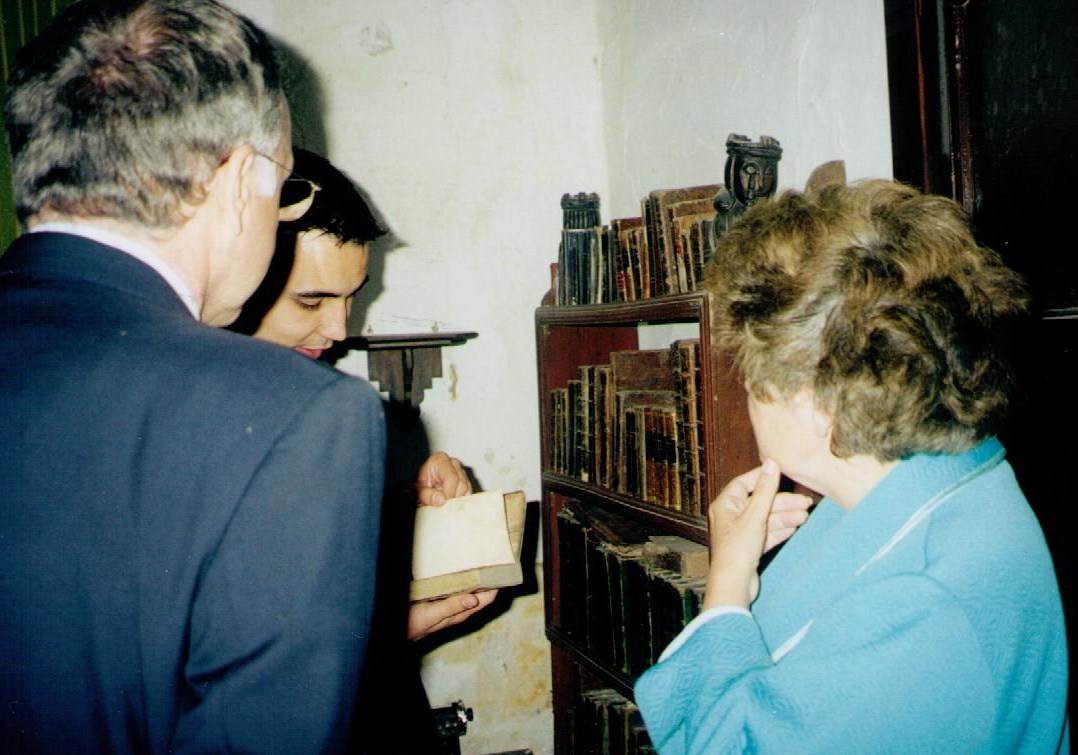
(466, 532)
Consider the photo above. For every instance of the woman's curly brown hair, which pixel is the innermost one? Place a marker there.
(877, 299)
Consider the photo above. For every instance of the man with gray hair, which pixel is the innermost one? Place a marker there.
(188, 517)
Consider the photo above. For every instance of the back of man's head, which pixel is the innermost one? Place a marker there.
(122, 109)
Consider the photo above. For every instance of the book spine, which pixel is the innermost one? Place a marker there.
(572, 442)
(638, 263)
(653, 246)
(580, 252)
(698, 440)
(605, 426)
(606, 723)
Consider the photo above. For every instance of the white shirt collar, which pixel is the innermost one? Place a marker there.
(126, 245)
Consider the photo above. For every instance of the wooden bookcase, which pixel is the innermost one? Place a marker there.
(568, 337)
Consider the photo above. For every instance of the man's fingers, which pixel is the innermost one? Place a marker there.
(441, 477)
(432, 616)
(427, 496)
(464, 485)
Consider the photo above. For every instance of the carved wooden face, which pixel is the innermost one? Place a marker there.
(754, 178)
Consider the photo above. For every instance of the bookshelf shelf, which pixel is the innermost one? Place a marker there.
(571, 343)
(673, 522)
(662, 309)
(581, 658)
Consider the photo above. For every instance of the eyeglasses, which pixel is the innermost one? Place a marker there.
(297, 193)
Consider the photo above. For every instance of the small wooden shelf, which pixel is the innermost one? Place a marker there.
(405, 364)
(385, 341)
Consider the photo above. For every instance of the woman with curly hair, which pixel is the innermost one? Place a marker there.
(916, 609)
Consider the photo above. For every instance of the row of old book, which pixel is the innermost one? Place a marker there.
(627, 592)
(660, 252)
(635, 426)
(606, 723)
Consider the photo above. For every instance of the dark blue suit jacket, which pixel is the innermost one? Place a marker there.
(188, 521)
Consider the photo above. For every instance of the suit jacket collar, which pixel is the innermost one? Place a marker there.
(87, 262)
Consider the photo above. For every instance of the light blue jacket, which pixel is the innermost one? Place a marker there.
(925, 620)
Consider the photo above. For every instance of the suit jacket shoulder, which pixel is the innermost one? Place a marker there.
(207, 506)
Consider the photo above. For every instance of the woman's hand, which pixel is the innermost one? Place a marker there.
(748, 518)
(788, 512)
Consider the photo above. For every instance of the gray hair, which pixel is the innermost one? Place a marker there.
(124, 109)
(879, 300)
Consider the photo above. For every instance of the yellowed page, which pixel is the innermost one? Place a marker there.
(466, 532)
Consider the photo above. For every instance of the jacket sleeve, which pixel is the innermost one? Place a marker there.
(281, 616)
(892, 667)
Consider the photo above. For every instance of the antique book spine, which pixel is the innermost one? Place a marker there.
(665, 604)
(682, 209)
(574, 566)
(650, 490)
(652, 248)
(607, 423)
(584, 422)
(639, 257)
(572, 443)
(624, 235)
(682, 429)
(673, 462)
(579, 252)
(699, 443)
(561, 290)
(559, 431)
(610, 266)
(600, 613)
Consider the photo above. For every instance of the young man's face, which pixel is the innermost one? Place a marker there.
(311, 313)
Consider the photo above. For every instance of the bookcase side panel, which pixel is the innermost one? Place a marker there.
(552, 572)
(727, 430)
(566, 684)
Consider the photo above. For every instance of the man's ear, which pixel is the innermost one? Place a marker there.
(233, 184)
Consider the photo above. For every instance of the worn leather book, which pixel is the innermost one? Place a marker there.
(470, 543)
(667, 279)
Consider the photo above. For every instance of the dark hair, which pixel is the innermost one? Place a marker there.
(124, 108)
(337, 209)
(878, 300)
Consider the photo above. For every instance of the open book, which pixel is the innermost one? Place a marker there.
(470, 543)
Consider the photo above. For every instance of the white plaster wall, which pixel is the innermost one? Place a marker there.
(680, 75)
(466, 120)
